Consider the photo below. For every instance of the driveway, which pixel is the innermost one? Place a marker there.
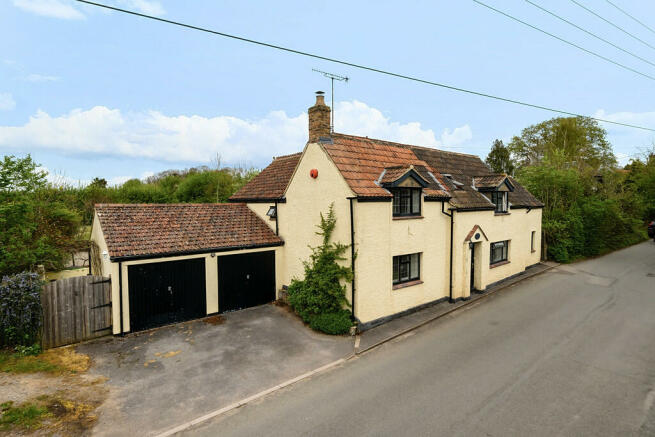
(171, 375)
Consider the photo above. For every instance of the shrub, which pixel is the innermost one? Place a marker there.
(20, 309)
(332, 323)
(28, 351)
(321, 291)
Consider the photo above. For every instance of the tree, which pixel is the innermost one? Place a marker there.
(19, 176)
(499, 159)
(98, 183)
(573, 142)
(34, 228)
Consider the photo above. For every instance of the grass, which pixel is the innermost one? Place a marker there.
(52, 361)
(26, 416)
(12, 362)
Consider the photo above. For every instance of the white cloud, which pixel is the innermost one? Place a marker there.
(60, 179)
(67, 10)
(197, 139)
(50, 8)
(358, 118)
(153, 135)
(7, 102)
(40, 78)
(147, 7)
(118, 180)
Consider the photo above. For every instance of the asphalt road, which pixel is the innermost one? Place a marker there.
(568, 352)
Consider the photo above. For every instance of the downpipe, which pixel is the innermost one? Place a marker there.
(450, 279)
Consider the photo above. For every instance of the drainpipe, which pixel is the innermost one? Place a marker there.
(352, 257)
(452, 213)
(277, 213)
(120, 292)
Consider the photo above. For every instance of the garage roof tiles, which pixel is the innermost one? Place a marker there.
(152, 230)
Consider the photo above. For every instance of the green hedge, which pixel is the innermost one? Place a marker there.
(332, 323)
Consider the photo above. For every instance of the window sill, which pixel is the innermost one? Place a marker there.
(498, 264)
(501, 213)
(407, 284)
(408, 217)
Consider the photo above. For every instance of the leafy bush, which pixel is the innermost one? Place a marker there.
(20, 309)
(28, 351)
(205, 187)
(332, 323)
(322, 292)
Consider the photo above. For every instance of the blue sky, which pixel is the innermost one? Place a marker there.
(95, 93)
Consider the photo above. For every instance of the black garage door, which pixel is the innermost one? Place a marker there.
(166, 292)
(246, 280)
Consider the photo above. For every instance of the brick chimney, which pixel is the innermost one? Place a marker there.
(319, 119)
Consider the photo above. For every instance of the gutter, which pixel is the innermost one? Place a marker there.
(450, 279)
(352, 257)
(194, 252)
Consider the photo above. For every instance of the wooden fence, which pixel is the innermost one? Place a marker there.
(75, 309)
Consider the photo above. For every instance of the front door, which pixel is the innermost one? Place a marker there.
(472, 279)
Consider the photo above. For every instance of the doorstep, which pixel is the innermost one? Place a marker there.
(396, 327)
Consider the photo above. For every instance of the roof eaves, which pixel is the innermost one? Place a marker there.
(194, 252)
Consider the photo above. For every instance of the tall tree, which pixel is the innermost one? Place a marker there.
(499, 158)
(573, 142)
(33, 228)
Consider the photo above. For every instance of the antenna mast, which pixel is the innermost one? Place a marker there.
(332, 78)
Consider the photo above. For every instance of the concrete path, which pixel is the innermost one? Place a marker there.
(568, 352)
(166, 377)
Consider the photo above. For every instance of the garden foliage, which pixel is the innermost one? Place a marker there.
(20, 310)
(591, 206)
(322, 292)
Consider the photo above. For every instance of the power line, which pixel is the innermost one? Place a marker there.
(361, 67)
(589, 33)
(613, 25)
(646, 26)
(565, 41)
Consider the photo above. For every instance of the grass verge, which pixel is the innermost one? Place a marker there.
(25, 416)
(62, 360)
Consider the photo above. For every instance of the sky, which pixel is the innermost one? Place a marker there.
(94, 93)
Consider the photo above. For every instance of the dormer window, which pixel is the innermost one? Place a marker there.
(406, 201)
(497, 188)
(499, 198)
(406, 186)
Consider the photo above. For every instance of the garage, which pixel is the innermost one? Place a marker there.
(166, 292)
(246, 280)
(174, 262)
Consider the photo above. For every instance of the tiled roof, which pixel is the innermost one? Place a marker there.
(137, 230)
(361, 162)
(521, 197)
(392, 174)
(271, 182)
(463, 168)
(491, 181)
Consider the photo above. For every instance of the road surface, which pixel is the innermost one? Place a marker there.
(568, 352)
